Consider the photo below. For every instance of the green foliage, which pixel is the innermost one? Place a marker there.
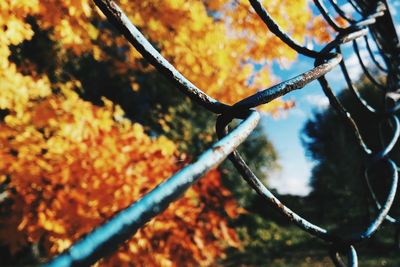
(340, 194)
(267, 242)
(261, 157)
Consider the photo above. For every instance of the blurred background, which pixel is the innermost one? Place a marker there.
(87, 127)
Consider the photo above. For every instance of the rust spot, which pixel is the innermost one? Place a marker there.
(216, 148)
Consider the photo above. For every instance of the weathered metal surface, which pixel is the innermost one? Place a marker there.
(136, 38)
(287, 86)
(375, 20)
(278, 31)
(107, 238)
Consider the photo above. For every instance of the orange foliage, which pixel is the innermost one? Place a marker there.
(216, 52)
(72, 164)
(218, 55)
(69, 177)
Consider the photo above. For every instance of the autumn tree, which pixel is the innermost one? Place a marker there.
(70, 156)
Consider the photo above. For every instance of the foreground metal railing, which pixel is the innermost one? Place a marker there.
(376, 20)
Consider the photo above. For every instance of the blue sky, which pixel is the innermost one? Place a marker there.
(285, 132)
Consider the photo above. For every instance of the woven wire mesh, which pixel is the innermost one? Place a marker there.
(375, 25)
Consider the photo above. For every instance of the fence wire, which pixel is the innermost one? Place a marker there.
(375, 26)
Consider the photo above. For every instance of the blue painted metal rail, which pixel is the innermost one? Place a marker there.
(375, 16)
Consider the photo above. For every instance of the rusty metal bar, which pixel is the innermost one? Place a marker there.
(278, 31)
(108, 237)
(298, 82)
(375, 14)
(136, 38)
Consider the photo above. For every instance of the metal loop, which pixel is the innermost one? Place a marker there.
(340, 109)
(393, 140)
(351, 86)
(391, 194)
(136, 38)
(365, 69)
(274, 27)
(388, 147)
(383, 211)
(325, 13)
(107, 237)
(315, 230)
(373, 56)
(352, 259)
(263, 191)
(349, 35)
(355, 6)
(298, 82)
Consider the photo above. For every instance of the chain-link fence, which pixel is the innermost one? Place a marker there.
(375, 25)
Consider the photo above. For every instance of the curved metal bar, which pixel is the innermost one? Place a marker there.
(378, 205)
(366, 21)
(392, 142)
(375, 199)
(380, 7)
(365, 69)
(371, 53)
(379, 10)
(356, 7)
(340, 11)
(377, 14)
(298, 82)
(346, 33)
(107, 237)
(124, 224)
(336, 259)
(335, 103)
(325, 13)
(135, 37)
(351, 34)
(274, 28)
(389, 147)
(378, 45)
(375, 39)
(351, 86)
(383, 211)
(352, 259)
(313, 229)
(259, 187)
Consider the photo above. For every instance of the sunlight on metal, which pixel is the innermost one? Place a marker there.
(108, 237)
(136, 38)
